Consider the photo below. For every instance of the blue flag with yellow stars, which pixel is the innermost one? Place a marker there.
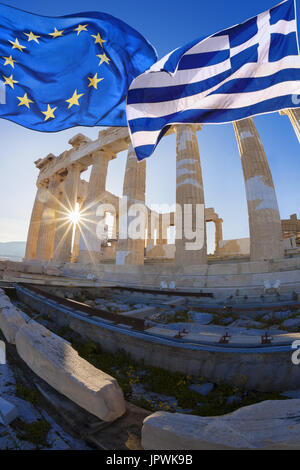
(68, 71)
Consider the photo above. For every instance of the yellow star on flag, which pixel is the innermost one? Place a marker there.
(56, 33)
(9, 61)
(74, 99)
(103, 58)
(32, 37)
(98, 39)
(24, 101)
(49, 113)
(9, 81)
(94, 81)
(17, 45)
(80, 27)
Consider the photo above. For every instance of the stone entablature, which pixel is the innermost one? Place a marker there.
(113, 140)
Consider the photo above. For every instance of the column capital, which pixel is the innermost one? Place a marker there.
(75, 166)
(102, 154)
(194, 127)
(250, 118)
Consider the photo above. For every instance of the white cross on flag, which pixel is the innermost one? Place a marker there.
(251, 68)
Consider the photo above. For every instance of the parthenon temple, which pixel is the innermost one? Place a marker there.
(60, 191)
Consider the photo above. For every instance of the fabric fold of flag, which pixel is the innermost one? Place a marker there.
(249, 69)
(75, 70)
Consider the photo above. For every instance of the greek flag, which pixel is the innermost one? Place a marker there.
(251, 68)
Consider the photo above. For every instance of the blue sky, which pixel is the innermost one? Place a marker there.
(166, 25)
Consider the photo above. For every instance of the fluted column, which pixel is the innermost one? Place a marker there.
(131, 251)
(35, 222)
(218, 233)
(46, 236)
(190, 198)
(152, 226)
(294, 116)
(64, 228)
(76, 244)
(89, 245)
(162, 236)
(115, 230)
(264, 218)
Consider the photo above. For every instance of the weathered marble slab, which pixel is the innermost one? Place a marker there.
(272, 424)
(55, 361)
(11, 319)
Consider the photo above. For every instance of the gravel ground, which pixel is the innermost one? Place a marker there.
(57, 438)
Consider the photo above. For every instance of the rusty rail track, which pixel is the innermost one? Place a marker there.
(136, 323)
(163, 292)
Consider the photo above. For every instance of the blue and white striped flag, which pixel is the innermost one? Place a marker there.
(249, 69)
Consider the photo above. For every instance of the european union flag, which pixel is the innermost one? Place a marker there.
(68, 71)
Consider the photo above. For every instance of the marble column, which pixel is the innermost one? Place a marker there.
(294, 116)
(46, 236)
(35, 222)
(152, 228)
(116, 226)
(76, 244)
(90, 244)
(131, 251)
(264, 218)
(162, 238)
(190, 198)
(218, 233)
(150, 236)
(65, 227)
